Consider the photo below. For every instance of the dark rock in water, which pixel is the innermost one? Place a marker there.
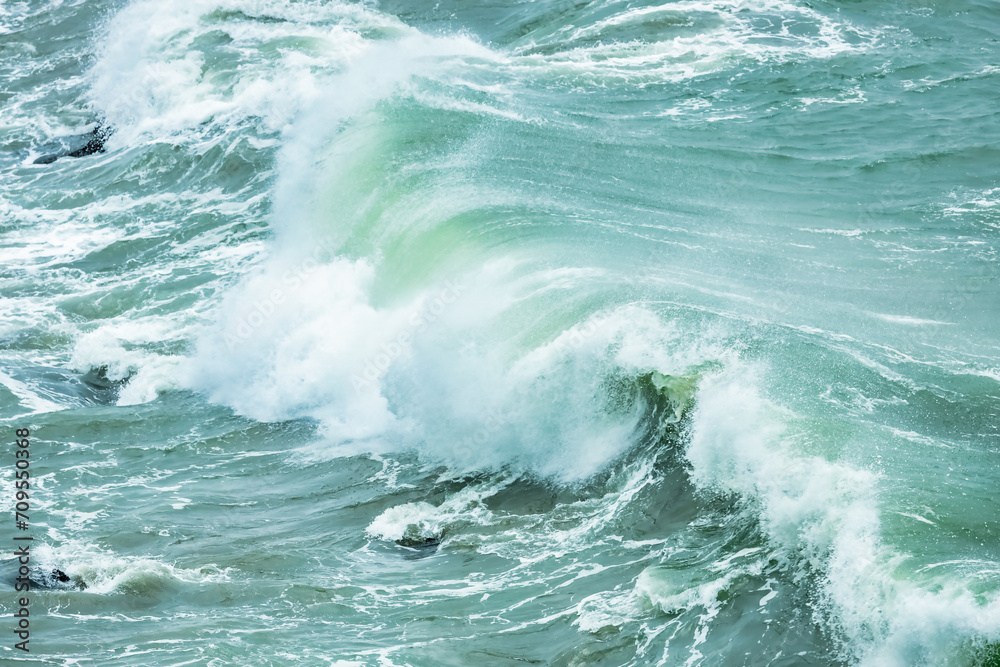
(38, 578)
(419, 548)
(77, 145)
(98, 378)
(419, 543)
(99, 388)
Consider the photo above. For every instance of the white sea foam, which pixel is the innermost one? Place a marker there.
(27, 398)
(906, 319)
(120, 350)
(104, 573)
(422, 521)
(825, 515)
(152, 79)
(303, 337)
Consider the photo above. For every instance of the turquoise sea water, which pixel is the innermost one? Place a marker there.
(492, 333)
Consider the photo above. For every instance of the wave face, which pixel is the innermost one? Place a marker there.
(449, 333)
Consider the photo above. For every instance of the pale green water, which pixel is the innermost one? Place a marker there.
(674, 324)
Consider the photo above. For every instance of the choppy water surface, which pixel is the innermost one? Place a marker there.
(482, 333)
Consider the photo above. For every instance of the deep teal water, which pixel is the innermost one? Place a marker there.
(481, 333)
